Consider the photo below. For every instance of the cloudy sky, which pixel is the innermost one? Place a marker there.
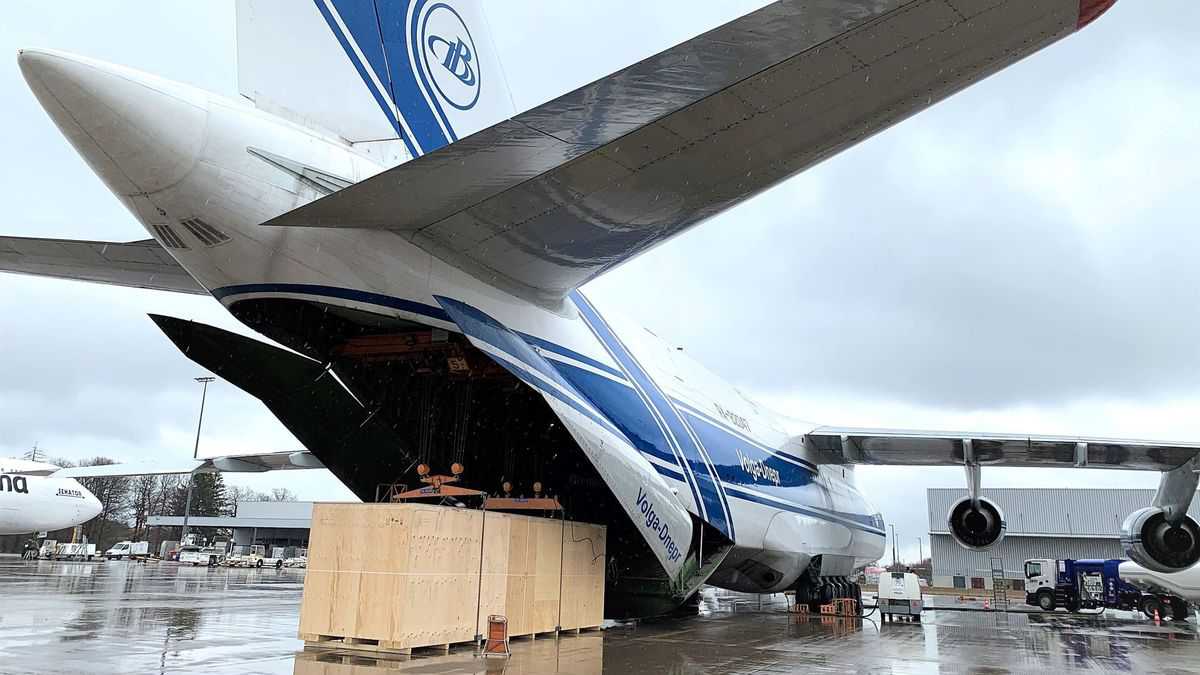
(1018, 258)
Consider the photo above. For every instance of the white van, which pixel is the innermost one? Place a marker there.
(128, 549)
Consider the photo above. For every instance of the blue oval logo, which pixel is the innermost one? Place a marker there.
(450, 56)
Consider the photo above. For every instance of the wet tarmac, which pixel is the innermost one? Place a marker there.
(130, 618)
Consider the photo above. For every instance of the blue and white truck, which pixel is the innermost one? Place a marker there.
(1094, 584)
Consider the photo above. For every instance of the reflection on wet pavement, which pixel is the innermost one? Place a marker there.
(131, 618)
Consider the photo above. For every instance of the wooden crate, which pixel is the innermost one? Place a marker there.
(392, 577)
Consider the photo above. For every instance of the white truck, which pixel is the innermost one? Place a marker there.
(79, 551)
(132, 550)
(257, 558)
(201, 555)
(899, 595)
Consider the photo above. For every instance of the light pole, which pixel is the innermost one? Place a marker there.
(921, 550)
(893, 544)
(187, 506)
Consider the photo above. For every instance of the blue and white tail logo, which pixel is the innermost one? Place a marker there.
(450, 56)
(430, 64)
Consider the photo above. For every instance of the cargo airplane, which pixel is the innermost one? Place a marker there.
(375, 203)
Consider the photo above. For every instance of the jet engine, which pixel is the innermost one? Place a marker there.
(1153, 542)
(977, 527)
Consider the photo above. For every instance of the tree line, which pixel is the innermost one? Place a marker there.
(128, 502)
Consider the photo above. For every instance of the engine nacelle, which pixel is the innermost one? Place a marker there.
(1152, 542)
(976, 528)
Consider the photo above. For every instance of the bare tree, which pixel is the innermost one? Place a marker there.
(161, 502)
(282, 495)
(142, 494)
(113, 493)
(241, 493)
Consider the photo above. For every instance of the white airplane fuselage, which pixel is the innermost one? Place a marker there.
(674, 442)
(40, 503)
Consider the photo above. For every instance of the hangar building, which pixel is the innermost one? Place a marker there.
(1042, 523)
(267, 523)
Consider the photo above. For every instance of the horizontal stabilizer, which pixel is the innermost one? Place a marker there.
(140, 264)
(954, 448)
(542, 202)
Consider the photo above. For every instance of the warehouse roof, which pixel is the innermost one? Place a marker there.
(1059, 512)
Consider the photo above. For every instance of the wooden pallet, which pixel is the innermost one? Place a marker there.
(315, 641)
(345, 642)
(577, 631)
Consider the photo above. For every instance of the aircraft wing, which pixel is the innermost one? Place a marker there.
(271, 461)
(542, 202)
(847, 445)
(141, 264)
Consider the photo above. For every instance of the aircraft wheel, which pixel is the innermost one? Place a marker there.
(825, 593)
(1149, 605)
(1179, 609)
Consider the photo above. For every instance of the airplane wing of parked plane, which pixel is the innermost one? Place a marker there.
(848, 445)
(552, 197)
(141, 264)
(254, 463)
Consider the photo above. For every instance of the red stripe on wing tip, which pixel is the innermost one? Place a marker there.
(1090, 10)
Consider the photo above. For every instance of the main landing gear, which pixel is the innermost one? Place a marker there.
(815, 590)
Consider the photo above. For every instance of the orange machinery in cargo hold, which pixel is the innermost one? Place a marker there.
(392, 577)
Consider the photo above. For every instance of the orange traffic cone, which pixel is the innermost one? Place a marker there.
(1157, 621)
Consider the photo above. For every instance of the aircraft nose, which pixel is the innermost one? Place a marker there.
(140, 133)
(92, 506)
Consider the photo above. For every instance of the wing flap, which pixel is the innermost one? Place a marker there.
(555, 196)
(140, 264)
(848, 445)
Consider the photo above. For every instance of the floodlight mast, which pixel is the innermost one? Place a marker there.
(187, 506)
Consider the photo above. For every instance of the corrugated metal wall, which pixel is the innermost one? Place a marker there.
(950, 559)
(1069, 512)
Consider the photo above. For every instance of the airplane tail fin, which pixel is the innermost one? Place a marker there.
(415, 74)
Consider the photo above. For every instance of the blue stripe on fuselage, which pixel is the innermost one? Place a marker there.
(696, 412)
(716, 510)
(619, 403)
